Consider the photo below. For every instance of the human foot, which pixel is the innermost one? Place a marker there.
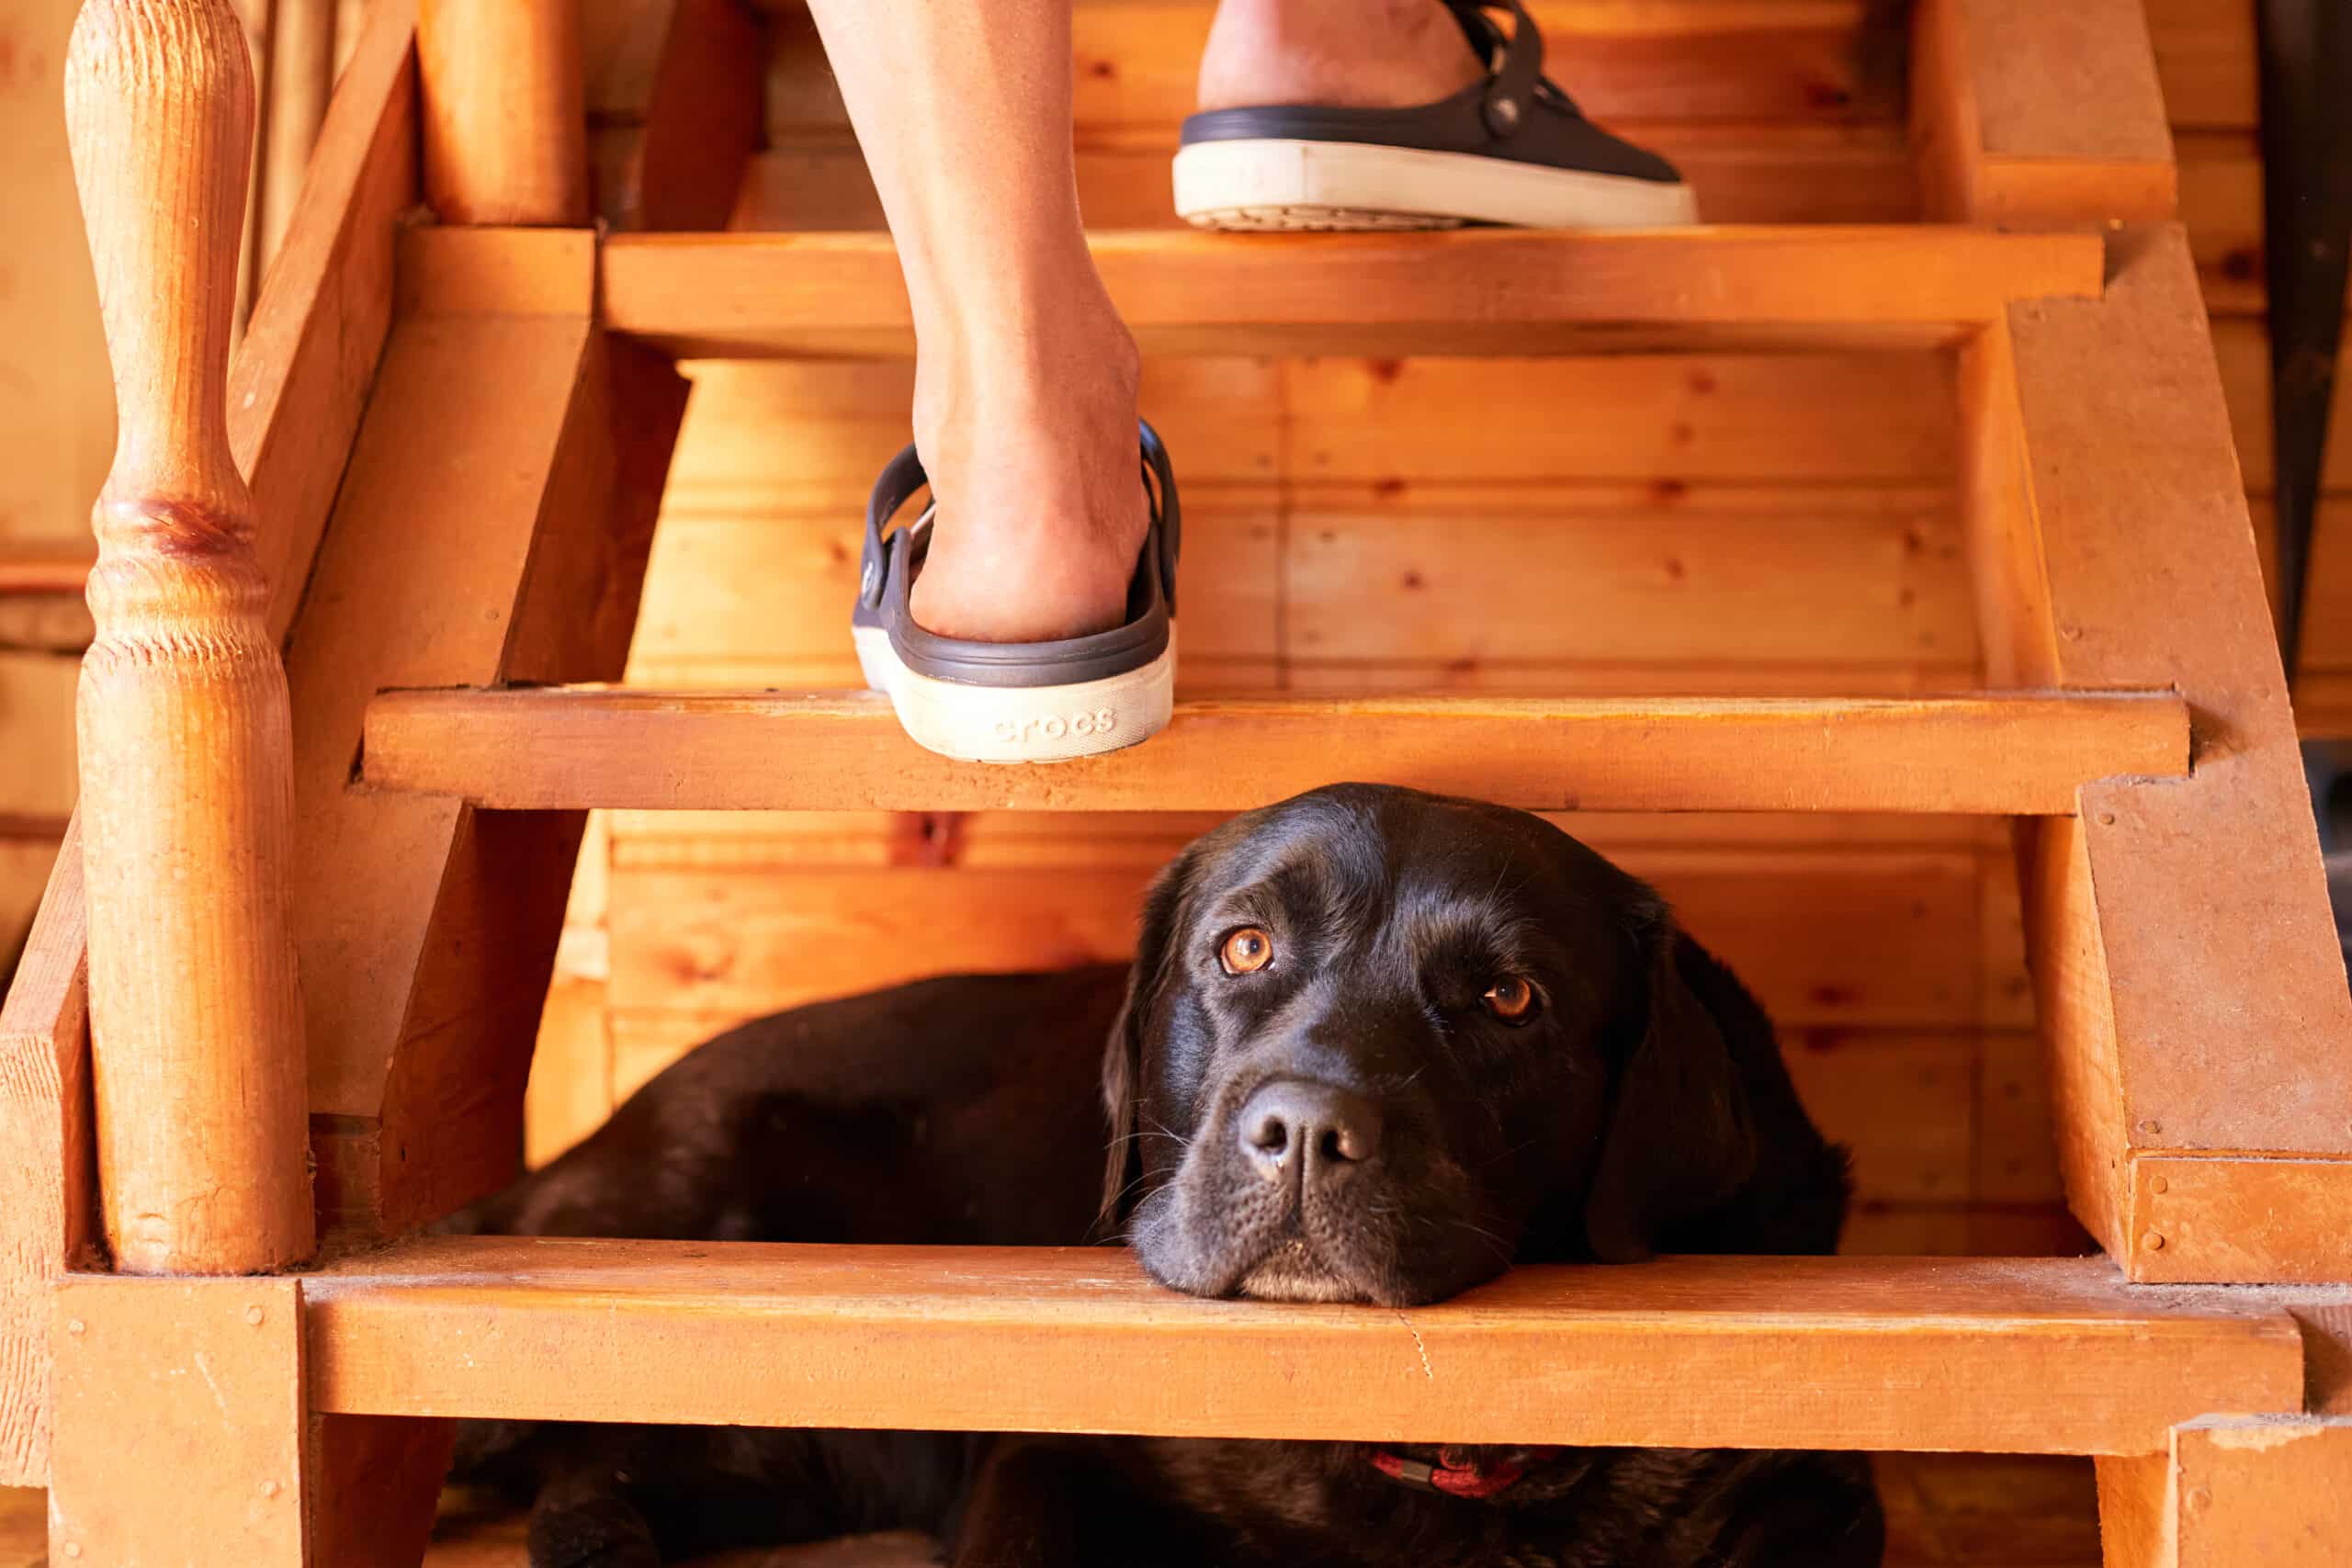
(1402, 114)
(1037, 701)
(1041, 505)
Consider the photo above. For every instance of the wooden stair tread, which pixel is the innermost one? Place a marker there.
(563, 748)
(1515, 292)
(2043, 1356)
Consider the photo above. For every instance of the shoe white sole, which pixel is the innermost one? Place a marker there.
(1271, 183)
(1021, 724)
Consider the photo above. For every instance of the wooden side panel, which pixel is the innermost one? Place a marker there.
(2076, 1004)
(422, 571)
(2243, 1217)
(2262, 1493)
(402, 540)
(2206, 56)
(2230, 1015)
(2134, 1505)
(181, 1415)
(45, 1140)
(2034, 114)
(503, 492)
(317, 333)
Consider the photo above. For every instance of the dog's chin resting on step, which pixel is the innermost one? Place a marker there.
(1375, 1047)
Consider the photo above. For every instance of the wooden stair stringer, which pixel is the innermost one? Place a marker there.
(499, 503)
(2189, 976)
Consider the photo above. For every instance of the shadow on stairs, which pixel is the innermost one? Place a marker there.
(1943, 1511)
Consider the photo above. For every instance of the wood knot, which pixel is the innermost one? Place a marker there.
(174, 530)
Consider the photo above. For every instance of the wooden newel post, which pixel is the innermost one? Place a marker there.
(505, 112)
(186, 760)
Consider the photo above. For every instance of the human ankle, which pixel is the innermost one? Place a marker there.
(1032, 453)
(1334, 53)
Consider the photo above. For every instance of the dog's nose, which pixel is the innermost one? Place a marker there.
(1313, 1133)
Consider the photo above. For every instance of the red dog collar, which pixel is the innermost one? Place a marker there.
(1458, 1472)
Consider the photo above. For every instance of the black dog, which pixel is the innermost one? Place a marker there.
(1376, 1046)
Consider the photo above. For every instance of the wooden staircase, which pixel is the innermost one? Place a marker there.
(452, 438)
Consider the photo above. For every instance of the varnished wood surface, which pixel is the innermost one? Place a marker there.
(184, 741)
(1475, 290)
(2038, 115)
(540, 748)
(504, 112)
(2004, 1355)
(180, 1429)
(2193, 965)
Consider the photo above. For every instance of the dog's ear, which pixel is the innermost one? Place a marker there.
(1123, 1053)
(1680, 1137)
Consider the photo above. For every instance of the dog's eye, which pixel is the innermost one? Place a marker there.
(1246, 951)
(1512, 998)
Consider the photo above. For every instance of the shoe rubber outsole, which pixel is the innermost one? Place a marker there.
(1270, 183)
(1021, 724)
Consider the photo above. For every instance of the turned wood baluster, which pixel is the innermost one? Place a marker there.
(506, 116)
(187, 761)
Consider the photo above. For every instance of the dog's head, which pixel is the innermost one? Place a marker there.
(1380, 1044)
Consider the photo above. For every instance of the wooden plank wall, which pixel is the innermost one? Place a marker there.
(2205, 50)
(56, 439)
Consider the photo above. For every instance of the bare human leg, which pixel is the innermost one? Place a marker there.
(1343, 54)
(1025, 377)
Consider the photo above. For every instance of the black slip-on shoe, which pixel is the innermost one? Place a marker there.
(1019, 702)
(1513, 148)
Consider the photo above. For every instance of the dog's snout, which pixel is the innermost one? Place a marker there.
(1311, 1133)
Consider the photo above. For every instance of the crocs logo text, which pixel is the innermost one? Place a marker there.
(1057, 726)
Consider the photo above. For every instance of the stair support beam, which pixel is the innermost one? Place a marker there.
(502, 489)
(2054, 1355)
(506, 117)
(2192, 1002)
(185, 1435)
(2232, 1492)
(537, 750)
(1474, 291)
(2038, 116)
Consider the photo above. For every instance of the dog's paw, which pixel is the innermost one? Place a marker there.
(602, 1532)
